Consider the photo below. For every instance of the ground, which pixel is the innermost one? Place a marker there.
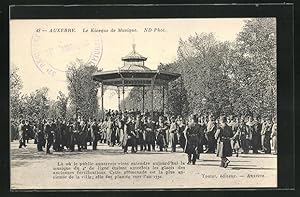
(34, 170)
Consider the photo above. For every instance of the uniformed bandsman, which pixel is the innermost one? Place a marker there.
(223, 136)
(192, 140)
(150, 134)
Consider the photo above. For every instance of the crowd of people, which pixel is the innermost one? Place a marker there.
(199, 133)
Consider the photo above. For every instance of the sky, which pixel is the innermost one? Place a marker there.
(43, 56)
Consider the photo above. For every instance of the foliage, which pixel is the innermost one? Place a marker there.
(58, 108)
(82, 89)
(223, 77)
(15, 92)
(134, 101)
(254, 59)
(35, 105)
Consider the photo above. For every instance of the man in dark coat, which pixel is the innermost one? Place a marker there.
(67, 134)
(27, 131)
(49, 135)
(256, 130)
(89, 133)
(83, 133)
(57, 146)
(139, 133)
(192, 140)
(246, 136)
(75, 136)
(224, 136)
(161, 134)
(95, 133)
(40, 136)
(181, 125)
(130, 135)
(201, 135)
(64, 131)
(150, 134)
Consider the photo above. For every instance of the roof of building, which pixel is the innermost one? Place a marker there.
(134, 77)
(134, 73)
(134, 56)
(134, 67)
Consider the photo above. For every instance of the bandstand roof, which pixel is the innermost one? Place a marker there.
(134, 77)
(135, 73)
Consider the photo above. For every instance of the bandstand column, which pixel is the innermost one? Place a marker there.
(167, 96)
(143, 99)
(163, 99)
(123, 92)
(152, 95)
(119, 103)
(102, 99)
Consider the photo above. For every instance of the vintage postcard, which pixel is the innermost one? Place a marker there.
(143, 103)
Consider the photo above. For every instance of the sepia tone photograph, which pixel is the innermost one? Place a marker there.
(143, 103)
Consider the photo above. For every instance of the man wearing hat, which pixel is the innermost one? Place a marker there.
(192, 139)
(224, 136)
(40, 136)
(246, 136)
(138, 133)
(130, 135)
(161, 134)
(256, 130)
(75, 140)
(27, 130)
(150, 134)
(49, 135)
(181, 127)
(95, 133)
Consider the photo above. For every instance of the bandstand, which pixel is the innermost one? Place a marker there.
(134, 73)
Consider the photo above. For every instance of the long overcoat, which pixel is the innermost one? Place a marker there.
(223, 136)
(192, 139)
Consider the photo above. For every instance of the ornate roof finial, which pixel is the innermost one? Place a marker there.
(133, 44)
(133, 55)
(133, 48)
